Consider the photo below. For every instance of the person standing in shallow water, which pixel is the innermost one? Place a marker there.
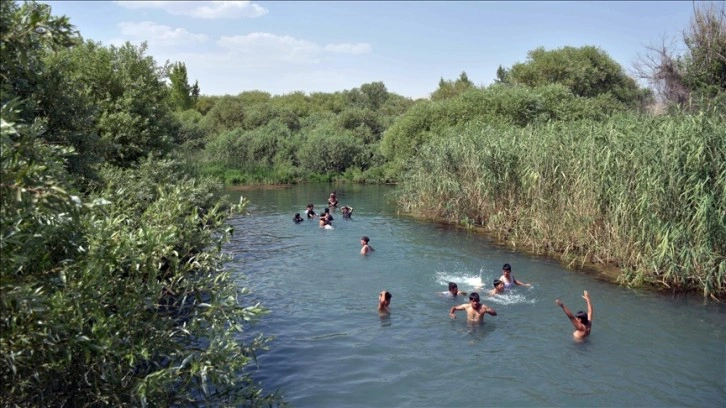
(475, 311)
(365, 248)
(582, 321)
(508, 279)
(384, 301)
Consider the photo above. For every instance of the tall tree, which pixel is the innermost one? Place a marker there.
(182, 94)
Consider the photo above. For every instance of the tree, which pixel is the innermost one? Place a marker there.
(587, 71)
(181, 93)
(701, 71)
(450, 89)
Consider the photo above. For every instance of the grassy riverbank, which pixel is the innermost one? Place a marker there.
(645, 194)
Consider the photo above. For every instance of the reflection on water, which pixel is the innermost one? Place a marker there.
(332, 349)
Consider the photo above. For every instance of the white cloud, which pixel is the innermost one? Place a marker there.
(201, 9)
(355, 49)
(268, 49)
(159, 35)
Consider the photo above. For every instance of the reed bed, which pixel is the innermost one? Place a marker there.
(647, 194)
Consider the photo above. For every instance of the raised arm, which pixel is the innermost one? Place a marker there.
(569, 314)
(586, 296)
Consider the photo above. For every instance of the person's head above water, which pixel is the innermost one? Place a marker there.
(582, 316)
(453, 287)
(474, 297)
(507, 268)
(497, 282)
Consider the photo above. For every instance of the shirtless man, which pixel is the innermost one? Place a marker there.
(384, 301)
(474, 310)
(498, 288)
(365, 248)
(582, 321)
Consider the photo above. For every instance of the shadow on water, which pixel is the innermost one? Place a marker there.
(332, 349)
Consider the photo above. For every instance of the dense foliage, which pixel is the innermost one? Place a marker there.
(112, 285)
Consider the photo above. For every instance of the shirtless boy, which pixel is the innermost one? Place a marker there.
(454, 290)
(365, 248)
(498, 288)
(384, 301)
(474, 310)
(582, 321)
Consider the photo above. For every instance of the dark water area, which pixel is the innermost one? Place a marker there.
(332, 349)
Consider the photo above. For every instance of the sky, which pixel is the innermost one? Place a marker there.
(282, 47)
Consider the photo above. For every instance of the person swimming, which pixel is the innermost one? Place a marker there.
(297, 218)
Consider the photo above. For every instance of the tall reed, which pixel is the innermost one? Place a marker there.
(647, 194)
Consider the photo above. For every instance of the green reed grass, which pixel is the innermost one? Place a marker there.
(647, 194)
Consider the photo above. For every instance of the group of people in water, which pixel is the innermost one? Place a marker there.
(326, 218)
(475, 310)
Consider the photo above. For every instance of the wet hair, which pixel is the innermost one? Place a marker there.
(497, 282)
(365, 239)
(452, 286)
(507, 267)
(582, 316)
(327, 210)
(474, 296)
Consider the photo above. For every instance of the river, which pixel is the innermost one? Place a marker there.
(331, 348)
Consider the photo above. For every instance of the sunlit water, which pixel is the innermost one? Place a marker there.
(332, 349)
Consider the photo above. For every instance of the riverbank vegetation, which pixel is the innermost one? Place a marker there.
(113, 289)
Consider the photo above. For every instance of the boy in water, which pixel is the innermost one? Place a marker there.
(384, 301)
(454, 290)
(347, 212)
(582, 321)
(310, 212)
(365, 248)
(297, 218)
(474, 310)
(498, 288)
(508, 279)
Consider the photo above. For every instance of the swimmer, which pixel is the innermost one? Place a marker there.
(332, 200)
(384, 301)
(347, 211)
(365, 248)
(454, 290)
(508, 279)
(475, 311)
(309, 212)
(582, 321)
(297, 218)
(498, 288)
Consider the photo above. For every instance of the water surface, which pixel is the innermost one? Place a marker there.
(332, 349)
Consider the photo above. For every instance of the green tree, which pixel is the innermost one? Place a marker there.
(587, 71)
(183, 96)
(450, 89)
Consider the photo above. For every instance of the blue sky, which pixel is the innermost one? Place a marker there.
(282, 47)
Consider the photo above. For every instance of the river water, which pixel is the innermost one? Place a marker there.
(331, 348)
